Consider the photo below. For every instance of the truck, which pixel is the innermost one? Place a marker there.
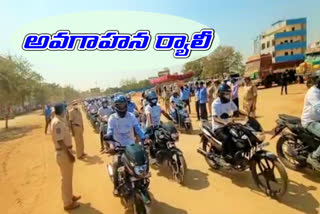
(259, 68)
(311, 62)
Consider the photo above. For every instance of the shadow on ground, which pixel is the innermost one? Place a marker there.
(15, 132)
(85, 209)
(298, 195)
(90, 160)
(194, 179)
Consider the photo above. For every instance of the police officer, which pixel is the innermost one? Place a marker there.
(76, 123)
(62, 143)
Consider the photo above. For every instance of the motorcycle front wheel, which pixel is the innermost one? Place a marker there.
(270, 176)
(139, 207)
(179, 168)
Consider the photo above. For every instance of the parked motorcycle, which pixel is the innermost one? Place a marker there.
(249, 154)
(294, 145)
(181, 117)
(133, 178)
(165, 150)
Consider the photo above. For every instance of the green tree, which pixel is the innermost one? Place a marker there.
(195, 66)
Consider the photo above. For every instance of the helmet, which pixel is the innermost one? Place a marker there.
(120, 105)
(224, 92)
(104, 103)
(152, 98)
(59, 109)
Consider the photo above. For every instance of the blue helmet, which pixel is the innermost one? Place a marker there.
(120, 104)
(152, 98)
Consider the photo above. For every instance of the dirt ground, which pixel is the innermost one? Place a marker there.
(30, 180)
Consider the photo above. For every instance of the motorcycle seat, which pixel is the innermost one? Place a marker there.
(290, 119)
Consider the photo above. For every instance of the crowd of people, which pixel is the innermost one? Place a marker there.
(127, 121)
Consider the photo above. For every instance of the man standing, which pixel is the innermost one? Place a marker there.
(185, 96)
(62, 142)
(76, 123)
(197, 92)
(47, 114)
(284, 82)
(203, 98)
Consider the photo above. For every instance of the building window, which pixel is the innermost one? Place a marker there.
(263, 46)
(286, 41)
(291, 52)
(293, 28)
(291, 40)
(281, 43)
(286, 53)
(268, 44)
(284, 31)
(273, 54)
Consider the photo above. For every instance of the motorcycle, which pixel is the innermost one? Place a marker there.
(181, 117)
(294, 145)
(133, 178)
(249, 154)
(165, 150)
(103, 131)
(93, 115)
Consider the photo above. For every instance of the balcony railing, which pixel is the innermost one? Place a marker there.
(287, 58)
(288, 46)
(290, 33)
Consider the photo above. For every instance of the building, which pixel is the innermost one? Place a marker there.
(286, 41)
(163, 73)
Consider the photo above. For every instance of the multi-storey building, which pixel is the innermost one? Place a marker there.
(286, 41)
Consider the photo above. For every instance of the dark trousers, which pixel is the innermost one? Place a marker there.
(222, 134)
(285, 89)
(48, 120)
(197, 110)
(187, 102)
(203, 111)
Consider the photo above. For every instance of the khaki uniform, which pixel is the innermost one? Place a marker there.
(250, 99)
(77, 126)
(210, 92)
(60, 131)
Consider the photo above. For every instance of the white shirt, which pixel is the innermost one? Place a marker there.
(92, 107)
(155, 112)
(311, 109)
(105, 111)
(122, 128)
(219, 108)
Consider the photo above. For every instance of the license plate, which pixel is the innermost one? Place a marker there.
(262, 145)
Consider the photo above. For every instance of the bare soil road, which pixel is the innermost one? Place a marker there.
(30, 180)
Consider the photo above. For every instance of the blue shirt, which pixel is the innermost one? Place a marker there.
(131, 107)
(203, 96)
(47, 111)
(185, 94)
(197, 93)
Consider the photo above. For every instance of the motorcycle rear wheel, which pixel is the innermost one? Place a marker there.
(268, 175)
(181, 168)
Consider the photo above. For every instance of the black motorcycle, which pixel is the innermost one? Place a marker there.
(181, 117)
(164, 148)
(133, 178)
(294, 145)
(248, 154)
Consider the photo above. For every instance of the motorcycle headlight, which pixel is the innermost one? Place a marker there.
(141, 170)
(174, 136)
(260, 136)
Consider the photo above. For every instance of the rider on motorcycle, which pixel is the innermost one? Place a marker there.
(310, 118)
(174, 101)
(222, 108)
(121, 128)
(104, 111)
(153, 112)
(131, 105)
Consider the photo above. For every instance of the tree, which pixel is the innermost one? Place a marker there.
(194, 66)
(224, 60)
